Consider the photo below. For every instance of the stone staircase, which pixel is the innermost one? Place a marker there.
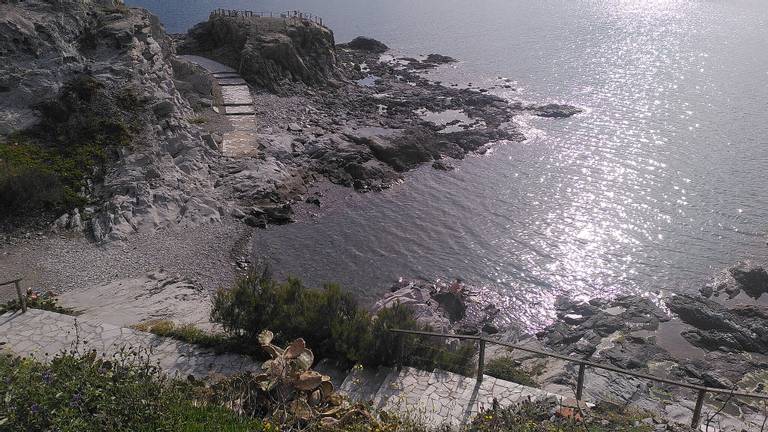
(437, 397)
(237, 105)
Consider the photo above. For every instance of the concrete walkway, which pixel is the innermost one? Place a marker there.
(43, 334)
(238, 106)
(437, 397)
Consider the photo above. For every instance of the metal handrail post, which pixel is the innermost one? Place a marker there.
(481, 361)
(580, 382)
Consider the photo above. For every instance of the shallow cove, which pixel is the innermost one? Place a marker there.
(660, 183)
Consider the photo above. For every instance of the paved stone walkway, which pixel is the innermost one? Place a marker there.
(43, 334)
(238, 105)
(437, 397)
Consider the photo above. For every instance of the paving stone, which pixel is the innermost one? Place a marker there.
(38, 332)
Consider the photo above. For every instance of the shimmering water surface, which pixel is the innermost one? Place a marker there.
(660, 183)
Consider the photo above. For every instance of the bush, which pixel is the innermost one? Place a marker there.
(333, 324)
(508, 369)
(83, 393)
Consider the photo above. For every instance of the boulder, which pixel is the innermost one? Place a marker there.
(439, 59)
(362, 43)
(751, 278)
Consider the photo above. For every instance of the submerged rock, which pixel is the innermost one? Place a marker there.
(555, 110)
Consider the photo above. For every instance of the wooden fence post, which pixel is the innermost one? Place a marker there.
(22, 298)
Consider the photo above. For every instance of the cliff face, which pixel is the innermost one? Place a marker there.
(268, 51)
(88, 99)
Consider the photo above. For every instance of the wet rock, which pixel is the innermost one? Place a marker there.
(751, 278)
(442, 165)
(555, 110)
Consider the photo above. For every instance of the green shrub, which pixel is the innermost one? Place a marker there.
(86, 393)
(333, 324)
(508, 369)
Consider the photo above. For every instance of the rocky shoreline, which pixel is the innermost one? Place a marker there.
(323, 113)
(687, 338)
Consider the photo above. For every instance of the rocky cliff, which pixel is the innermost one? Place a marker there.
(268, 52)
(89, 101)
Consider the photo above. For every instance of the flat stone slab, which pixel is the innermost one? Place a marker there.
(42, 334)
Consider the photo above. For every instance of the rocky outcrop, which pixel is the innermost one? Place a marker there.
(268, 52)
(449, 307)
(53, 52)
(747, 277)
(718, 328)
(362, 43)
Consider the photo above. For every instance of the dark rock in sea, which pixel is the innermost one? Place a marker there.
(442, 165)
(716, 327)
(439, 59)
(363, 43)
(752, 278)
(453, 304)
(555, 110)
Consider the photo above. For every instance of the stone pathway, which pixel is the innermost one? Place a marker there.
(437, 397)
(238, 106)
(43, 334)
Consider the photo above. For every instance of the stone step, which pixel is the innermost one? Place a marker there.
(361, 385)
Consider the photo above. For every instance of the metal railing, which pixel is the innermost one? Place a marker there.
(22, 297)
(295, 14)
(583, 364)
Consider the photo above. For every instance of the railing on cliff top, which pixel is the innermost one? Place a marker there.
(702, 390)
(287, 15)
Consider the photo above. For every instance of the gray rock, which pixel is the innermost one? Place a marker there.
(163, 108)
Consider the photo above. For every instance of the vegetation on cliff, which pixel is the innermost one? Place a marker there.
(49, 168)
